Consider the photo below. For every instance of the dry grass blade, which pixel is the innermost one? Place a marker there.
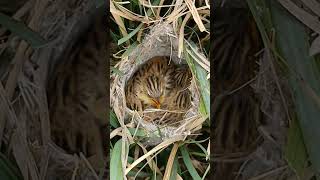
(19, 58)
(208, 151)
(199, 59)
(195, 15)
(207, 3)
(125, 13)
(129, 14)
(175, 14)
(21, 151)
(149, 5)
(116, 132)
(170, 161)
(195, 124)
(154, 150)
(159, 9)
(151, 163)
(314, 5)
(181, 34)
(118, 20)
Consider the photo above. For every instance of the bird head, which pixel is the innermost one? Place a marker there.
(154, 102)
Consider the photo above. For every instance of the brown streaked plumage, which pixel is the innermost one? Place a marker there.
(150, 84)
(132, 99)
(152, 91)
(182, 77)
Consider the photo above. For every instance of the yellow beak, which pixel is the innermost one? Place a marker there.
(156, 104)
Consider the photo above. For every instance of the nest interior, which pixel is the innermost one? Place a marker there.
(159, 91)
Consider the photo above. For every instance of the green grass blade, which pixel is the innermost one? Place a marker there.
(114, 120)
(130, 35)
(23, 31)
(129, 50)
(203, 149)
(188, 163)
(138, 132)
(201, 77)
(206, 172)
(116, 172)
(116, 71)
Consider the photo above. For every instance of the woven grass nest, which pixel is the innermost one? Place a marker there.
(161, 41)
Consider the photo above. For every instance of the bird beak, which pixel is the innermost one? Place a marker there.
(156, 104)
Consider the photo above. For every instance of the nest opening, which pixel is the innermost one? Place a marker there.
(167, 94)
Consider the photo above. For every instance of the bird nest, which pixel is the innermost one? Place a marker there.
(160, 42)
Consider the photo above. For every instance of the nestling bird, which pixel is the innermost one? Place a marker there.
(151, 91)
(182, 77)
(162, 85)
(150, 83)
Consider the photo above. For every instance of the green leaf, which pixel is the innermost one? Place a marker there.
(116, 172)
(129, 50)
(188, 163)
(202, 155)
(201, 77)
(114, 120)
(23, 31)
(130, 35)
(116, 71)
(205, 153)
(138, 132)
